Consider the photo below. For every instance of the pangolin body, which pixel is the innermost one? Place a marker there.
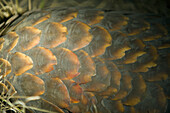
(85, 60)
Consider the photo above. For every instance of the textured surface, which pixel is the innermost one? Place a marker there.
(87, 60)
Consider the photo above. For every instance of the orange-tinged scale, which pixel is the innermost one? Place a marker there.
(118, 53)
(137, 44)
(84, 99)
(78, 35)
(69, 17)
(28, 20)
(136, 26)
(144, 67)
(43, 60)
(28, 38)
(87, 69)
(88, 98)
(125, 87)
(114, 21)
(137, 49)
(64, 15)
(91, 17)
(153, 52)
(41, 19)
(11, 39)
(115, 80)
(53, 34)
(20, 63)
(101, 80)
(157, 31)
(68, 63)
(75, 91)
(95, 86)
(120, 44)
(57, 93)
(31, 85)
(109, 91)
(138, 89)
(101, 40)
(132, 56)
(84, 105)
(5, 67)
(147, 61)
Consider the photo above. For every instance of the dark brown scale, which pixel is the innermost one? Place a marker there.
(88, 60)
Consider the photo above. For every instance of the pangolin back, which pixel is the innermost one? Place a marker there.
(88, 60)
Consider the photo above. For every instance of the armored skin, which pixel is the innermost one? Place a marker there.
(85, 60)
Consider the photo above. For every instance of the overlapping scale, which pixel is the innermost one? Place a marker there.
(67, 64)
(78, 35)
(74, 89)
(41, 19)
(63, 15)
(101, 80)
(26, 80)
(87, 69)
(10, 42)
(90, 17)
(28, 38)
(53, 35)
(87, 60)
(57, 92)
(120, 44)
(114, 21)
(125, 87)
(137, 50)
(135, 26)
(20, 63)
(156, 32)
(114, 81)
(43, 60)
(139, 87)
(146, 61)
(101, 40)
